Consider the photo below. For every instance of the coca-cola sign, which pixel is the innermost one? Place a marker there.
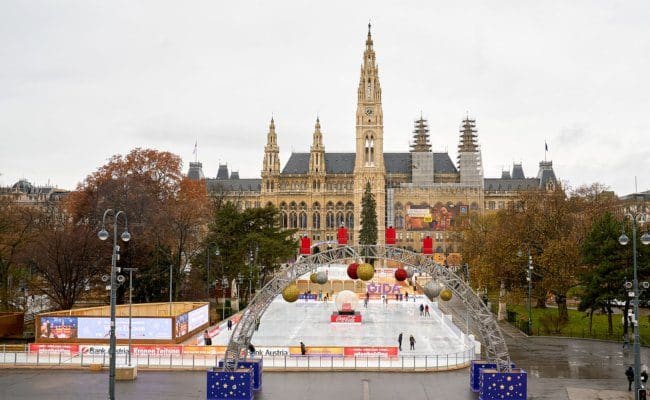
(345, 319)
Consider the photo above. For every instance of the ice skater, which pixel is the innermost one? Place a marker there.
(229, 324)
(421, 310)
(426, 311)
(406, 296)
(399, 341)
(365, 302)
(303, 348)
(412, 342)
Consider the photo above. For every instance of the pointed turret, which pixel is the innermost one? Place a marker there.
(271, 163)
(546, 175)
(317, 160)
(195, 172)
(421, 136)
(469, 155)
(518, 171)
(222, 172)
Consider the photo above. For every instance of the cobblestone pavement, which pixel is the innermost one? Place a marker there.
(556, 366)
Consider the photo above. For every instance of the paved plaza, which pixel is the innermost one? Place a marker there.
(557, 367)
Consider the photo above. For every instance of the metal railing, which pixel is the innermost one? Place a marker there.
(13, 358)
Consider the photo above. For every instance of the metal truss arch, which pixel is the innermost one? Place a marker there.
(496, 348)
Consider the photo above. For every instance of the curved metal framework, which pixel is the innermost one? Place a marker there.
(495, 345)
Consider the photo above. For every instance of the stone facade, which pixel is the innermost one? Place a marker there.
(419, 192)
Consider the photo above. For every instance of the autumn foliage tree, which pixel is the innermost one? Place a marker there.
(64, 257)
(165, 213)
(17, 223)
(551, 225)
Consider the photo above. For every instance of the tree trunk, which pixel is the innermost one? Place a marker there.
(610, 325)
(563, 312)
(591, 319)
(625, 311)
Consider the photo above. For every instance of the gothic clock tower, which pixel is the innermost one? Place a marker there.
(369, 161)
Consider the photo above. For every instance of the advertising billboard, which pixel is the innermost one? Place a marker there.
(181, 325)
(426, 218)
(141, 328)
(59, 327)
(198, 317)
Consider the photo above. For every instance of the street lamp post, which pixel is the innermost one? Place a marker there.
(224, 286)
(529, 278)
(126, 236)
(130, 270)
(637, 215)
(216, 253)
(171, 275)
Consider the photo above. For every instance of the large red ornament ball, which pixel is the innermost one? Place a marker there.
(352, 271)
(400, 274)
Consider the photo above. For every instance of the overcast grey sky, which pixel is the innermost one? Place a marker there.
(83, 80)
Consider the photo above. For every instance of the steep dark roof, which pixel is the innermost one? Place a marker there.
(442, 163)
(498, 184)
(338, 163)
(234, 185)
(397, 163)
(335, 163)
(222, 172)
(343, 163)
(518, 171)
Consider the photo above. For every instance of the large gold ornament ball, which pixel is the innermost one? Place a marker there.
(291, 293)
(365, 272)
(445, 295)
(312, 278)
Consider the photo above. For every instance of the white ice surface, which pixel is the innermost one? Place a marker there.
(287, 324)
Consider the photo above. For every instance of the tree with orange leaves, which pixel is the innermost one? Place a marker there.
(165, 215)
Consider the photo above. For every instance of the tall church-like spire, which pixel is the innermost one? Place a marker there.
(271, 163)
(317, 153)
(369, 159)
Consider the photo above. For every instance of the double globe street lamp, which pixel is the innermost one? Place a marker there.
(637, 215)
(125, 236)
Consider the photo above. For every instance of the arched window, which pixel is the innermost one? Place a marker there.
(349, 220)
(284, 220)
(315, 222)
(293, 220)
(302, 220)
(330, 223)
(339, 218)
(369, 153)
(399, 220)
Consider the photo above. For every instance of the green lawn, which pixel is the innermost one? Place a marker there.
(545, 323)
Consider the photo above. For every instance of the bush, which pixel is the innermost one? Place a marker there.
(551, 323)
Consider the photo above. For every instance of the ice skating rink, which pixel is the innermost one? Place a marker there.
(287, 324)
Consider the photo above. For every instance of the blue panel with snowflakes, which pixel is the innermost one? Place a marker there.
(475, 373)
(236, 385)
(256, 365)
(503, 385)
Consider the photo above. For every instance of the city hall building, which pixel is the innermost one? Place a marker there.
(418, 192)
